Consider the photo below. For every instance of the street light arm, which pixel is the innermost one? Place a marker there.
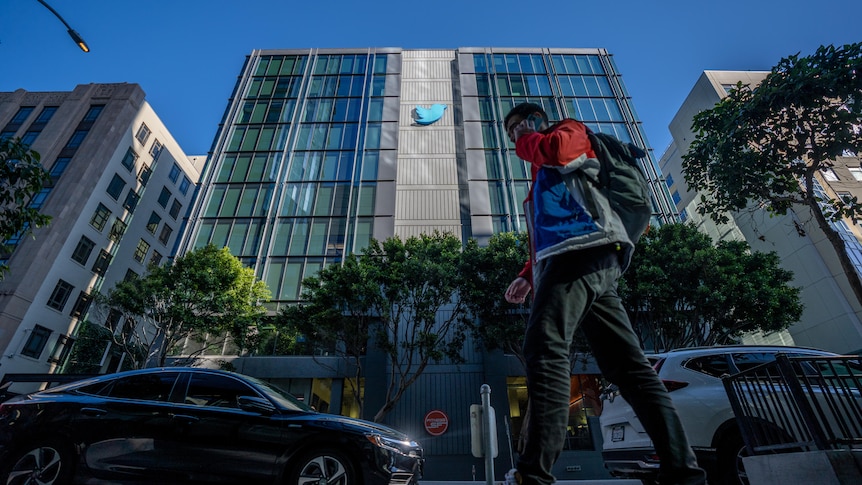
(72, 33)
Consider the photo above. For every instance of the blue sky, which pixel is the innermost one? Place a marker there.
(186, 54)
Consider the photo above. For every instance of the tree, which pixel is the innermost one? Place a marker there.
(391, 294)
(204, 292)
(764, 146)
(683, 291)
(487, 272)
(21, 177)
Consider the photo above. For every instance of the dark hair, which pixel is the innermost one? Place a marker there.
(525, 110)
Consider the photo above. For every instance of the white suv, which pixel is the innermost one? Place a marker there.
(693, 377)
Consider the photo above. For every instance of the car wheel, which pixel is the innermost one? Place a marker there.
(45, 463)
(323, 467)
(730, 452)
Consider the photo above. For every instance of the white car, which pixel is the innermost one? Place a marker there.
(693, 377)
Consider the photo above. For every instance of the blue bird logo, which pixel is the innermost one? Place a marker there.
(426, 116)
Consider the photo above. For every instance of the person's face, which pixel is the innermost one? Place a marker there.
(510, 127)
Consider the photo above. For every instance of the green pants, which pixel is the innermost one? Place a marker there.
(580, 288)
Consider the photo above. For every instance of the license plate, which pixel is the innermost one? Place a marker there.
(618, 433)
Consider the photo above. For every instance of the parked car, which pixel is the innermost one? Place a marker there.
(189, 425)
(693, 377)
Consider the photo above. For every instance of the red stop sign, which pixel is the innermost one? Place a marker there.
(436, 422)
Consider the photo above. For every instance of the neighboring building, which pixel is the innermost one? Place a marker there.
(322, 149)
(120, 187)
(831, 319)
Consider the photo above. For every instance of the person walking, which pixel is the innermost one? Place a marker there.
(579, 249)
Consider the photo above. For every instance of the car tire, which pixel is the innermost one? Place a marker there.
(324, 465)
(730, 452)
(47, 462)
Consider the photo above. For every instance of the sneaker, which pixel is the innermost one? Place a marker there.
(512, 477)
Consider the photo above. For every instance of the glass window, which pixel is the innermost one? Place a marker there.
(82, 251)
(165, 235)
(184, 185)
(156, 149)
(175, 209)
(144, 175)
(131, 201)
(175, 173)
(153, 223)
(60, 295)
(29, 137)
(716, 365)
(100, 217)
(100, 266)
(156, 258)
(22, 115)
(129, 159)
(76, 139)
(62, 349)
(93, 113)
(117, 230)
(59, 167)
(36, 342)
(142, 387)
(115, 188)
(82, 304)
(746, 360)
(856, 172)
(143, 133)
(141, 251)
(164, 197)
(216, 391)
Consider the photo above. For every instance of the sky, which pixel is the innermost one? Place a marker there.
(187, 54)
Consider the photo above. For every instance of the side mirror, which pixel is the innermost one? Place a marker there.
(254, 404)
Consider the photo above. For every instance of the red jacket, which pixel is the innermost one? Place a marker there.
(555, 146)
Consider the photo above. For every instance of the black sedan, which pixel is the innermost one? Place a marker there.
(189, 425)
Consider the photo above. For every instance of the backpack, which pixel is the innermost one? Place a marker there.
(621, 179)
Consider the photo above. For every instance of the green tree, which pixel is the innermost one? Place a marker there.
(764, 146)
(392, 294)
(487, 272)
(21, 177)
(683, 291)
(204, 292)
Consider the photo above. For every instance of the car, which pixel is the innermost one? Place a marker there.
(693, 378)
(193, 425)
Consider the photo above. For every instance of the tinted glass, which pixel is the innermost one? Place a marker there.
(216, 390)
(711, 365)
(146, 387)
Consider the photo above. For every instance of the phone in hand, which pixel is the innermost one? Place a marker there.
(536, 121)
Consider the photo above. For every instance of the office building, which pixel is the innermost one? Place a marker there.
(120, 187)
(322, 149)
(831, 318)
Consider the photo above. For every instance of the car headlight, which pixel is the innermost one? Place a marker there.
(406, 448)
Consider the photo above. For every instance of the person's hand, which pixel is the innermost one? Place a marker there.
(525, 127)
(518, 290)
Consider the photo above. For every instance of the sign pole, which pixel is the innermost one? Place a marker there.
(486, 434)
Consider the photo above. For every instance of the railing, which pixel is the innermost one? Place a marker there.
(798, 404)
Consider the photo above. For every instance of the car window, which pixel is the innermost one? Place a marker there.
(146, 387)
(216, 390)
(747, 360)
(715, 365)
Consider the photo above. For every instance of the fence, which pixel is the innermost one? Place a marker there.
(799, 404)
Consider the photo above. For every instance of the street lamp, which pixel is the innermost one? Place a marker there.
(74, 35)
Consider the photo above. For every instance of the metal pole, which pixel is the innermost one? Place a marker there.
(486, 434)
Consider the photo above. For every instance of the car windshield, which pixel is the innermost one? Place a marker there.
(282, 397)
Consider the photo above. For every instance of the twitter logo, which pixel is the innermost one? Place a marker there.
(426, 116)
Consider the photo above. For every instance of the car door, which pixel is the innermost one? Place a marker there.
(218, 441)
(125, 423)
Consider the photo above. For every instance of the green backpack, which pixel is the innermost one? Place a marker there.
(621, 179)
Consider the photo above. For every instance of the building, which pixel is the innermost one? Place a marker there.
(322, 149)
(120, 187)
(831, 319)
